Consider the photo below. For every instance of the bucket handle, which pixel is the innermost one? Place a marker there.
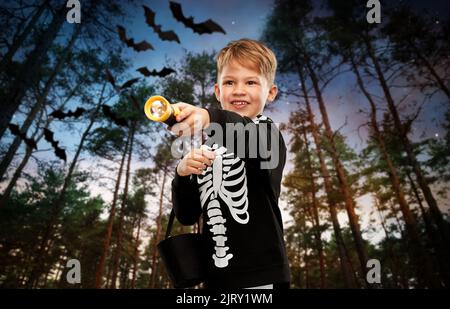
(170, 223)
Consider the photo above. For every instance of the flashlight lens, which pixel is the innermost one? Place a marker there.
(158, 109)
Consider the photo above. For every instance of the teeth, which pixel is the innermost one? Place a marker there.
(239, 103)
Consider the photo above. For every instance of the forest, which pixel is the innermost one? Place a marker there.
(363, 107)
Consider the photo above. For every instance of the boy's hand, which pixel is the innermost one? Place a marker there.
(191, 119)
(195, 162)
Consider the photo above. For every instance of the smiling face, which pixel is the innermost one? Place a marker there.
(243, 89)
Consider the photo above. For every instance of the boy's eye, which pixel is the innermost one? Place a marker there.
(252, 82)
(228, 82)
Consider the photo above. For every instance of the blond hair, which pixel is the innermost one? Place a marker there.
(245, 52)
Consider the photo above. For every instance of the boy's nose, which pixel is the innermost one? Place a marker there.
(238, 90)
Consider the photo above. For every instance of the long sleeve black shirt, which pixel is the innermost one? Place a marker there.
(238, 199)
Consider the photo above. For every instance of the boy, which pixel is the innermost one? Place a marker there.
(236, 189)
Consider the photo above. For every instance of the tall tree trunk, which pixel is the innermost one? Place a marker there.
(315, 215)
(118, 251)
(343, 255)
(8, 157)
(158, 231)
(28, 74)
(109, 273)
(6, 61)
(423, 183)
(124, 273)
(136, 254)
(398, 280)
(16, 176)
(305, 255)
(107, 239)
(441, 251)
(341, 174)
(424, 267)
(28, 152)
(429, 228)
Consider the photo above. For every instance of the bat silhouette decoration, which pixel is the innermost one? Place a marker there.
(112, 81)
(141, 46)
(59, 152)
(59, 114)
(208, 26)
(163, 73)
(111, 115)
(15, 130)
(163, 35)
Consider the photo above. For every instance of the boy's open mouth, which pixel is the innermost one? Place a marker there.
(239, 104)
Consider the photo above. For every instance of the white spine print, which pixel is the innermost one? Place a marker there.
(213, 184)
(218, 229)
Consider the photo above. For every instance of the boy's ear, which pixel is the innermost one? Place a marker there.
(272, 93)
(217, 92)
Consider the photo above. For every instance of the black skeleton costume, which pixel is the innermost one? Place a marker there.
(238, 199)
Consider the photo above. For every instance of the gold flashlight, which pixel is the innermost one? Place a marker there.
(157, 108)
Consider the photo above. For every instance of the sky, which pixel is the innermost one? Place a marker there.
(238, 18)
(246, 19)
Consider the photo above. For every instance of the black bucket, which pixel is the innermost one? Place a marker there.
(184, 258)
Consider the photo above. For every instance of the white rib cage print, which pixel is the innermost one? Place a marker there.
(225, 179)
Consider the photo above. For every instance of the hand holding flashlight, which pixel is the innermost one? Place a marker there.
(193, 118)
(157, 108)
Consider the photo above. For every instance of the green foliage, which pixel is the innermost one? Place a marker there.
(26, 216)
